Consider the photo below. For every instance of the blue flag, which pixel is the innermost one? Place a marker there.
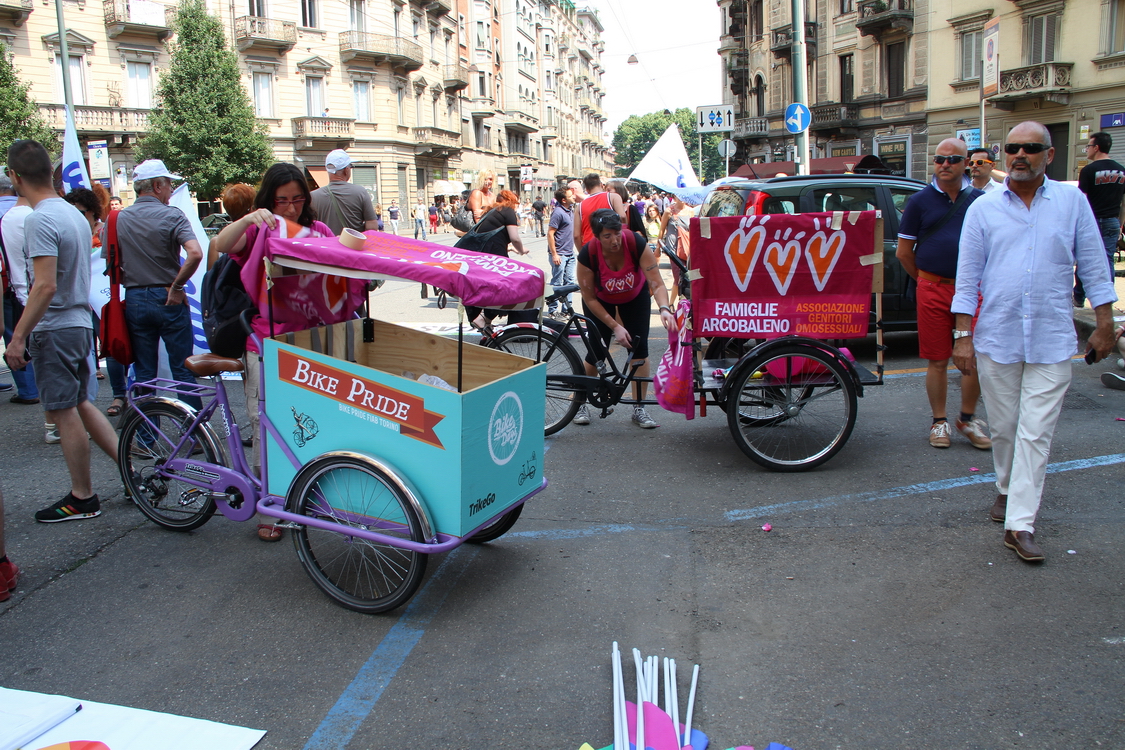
(74, 173)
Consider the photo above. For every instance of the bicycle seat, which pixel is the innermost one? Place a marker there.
(206, 365)
(562, 290)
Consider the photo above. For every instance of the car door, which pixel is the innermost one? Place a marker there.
(898, 310)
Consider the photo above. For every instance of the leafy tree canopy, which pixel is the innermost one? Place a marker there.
(19, 115)
(204, 127)
(637, 134)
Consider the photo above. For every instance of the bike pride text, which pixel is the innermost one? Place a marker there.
(405, 410)
(784, 274)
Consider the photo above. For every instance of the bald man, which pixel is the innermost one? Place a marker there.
(1018, 247)
(928, 236)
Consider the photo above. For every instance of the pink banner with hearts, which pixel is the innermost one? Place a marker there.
(761, 277)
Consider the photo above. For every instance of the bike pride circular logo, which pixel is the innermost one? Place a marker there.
(505, 428)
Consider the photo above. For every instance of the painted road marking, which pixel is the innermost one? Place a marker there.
(910, 489)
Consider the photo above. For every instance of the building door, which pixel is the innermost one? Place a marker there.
(1059, 169)
(403, 196)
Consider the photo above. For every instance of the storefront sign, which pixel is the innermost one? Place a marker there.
(990, 52)
(98, 152)
(776, 275)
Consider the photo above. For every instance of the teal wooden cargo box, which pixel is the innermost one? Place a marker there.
(469, 455)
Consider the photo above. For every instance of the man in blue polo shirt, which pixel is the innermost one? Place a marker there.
(928, 237)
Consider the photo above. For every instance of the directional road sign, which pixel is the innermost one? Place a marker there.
(727, 148)
(717, 119)
(797, 118)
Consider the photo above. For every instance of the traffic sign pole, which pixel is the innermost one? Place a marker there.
(800, 81)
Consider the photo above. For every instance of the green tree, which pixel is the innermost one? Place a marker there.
(637, 134)
(19, 115)
(204, 126)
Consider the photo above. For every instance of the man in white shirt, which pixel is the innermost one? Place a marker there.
(980, 169)
(16, 267)
(421, 216)
(1019, 246)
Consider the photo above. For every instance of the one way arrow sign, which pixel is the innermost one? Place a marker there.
(717, 119)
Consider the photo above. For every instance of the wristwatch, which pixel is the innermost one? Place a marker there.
(961, 334)
(177, 287)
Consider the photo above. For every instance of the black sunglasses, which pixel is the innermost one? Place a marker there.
(955, 159)
(1028, 148)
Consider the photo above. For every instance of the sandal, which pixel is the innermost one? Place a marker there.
(269, 533)
(115, 408)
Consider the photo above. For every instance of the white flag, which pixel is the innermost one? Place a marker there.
(181, 199)
(73, 164)
(666, 164)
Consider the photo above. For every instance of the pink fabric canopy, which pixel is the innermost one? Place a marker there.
(475, 278)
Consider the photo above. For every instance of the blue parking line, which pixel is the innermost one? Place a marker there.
(910, 489)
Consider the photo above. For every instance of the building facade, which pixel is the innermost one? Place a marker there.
(894, 77)
(423, 93)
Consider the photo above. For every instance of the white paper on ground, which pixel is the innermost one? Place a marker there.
(123, 728)
(24, 716)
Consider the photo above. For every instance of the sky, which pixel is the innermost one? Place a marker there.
(678, 53)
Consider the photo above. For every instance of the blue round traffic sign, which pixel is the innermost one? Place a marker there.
(797, 118)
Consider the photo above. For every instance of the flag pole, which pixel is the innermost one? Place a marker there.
(68, 99)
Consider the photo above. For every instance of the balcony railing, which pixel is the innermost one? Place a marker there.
(252, 31)
(482, 106)
(17, 10)
(137, 17)
(520, 121)
(97, 119)
(783, 38)
(324, 128)
(455, 77)
(878, 16)
(1051, 81)
(380, 47)
(750, 127)
(436, 137)
(438, 7)
(829, 116)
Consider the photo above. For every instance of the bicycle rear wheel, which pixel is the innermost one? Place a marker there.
(563, 399)
(500, 526)
(166, 501)
(358, 574)
(792, 409)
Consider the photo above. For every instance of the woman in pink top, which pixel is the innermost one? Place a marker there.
(618, 277)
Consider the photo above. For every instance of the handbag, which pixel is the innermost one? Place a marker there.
(462, 221)
(478, 241)
(114, 332)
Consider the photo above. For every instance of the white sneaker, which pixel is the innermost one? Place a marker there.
(583, 415)
(52, 436)
(642, 419)
(977, 433)
(939, 434)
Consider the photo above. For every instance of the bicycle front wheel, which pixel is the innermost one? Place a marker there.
(358, 574)
(563, 399)
(792, 409)
(165, 500)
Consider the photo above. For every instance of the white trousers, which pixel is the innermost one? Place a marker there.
(1023, 402)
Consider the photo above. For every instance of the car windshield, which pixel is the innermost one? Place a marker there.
(724, 202)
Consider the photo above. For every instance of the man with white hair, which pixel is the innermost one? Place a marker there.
(1019, 246)
(341, 204)
(150, 234)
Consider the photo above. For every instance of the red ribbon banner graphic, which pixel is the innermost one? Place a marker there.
(783, 274)
(405, 409)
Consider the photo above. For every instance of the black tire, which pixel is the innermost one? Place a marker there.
(360, 575)
(722, 347)
(795, 422)
(167, 502)
(563, 400)
(498, 528)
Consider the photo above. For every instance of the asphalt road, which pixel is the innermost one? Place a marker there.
(881, 610)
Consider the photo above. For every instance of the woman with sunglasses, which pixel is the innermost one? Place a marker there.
(283, 198)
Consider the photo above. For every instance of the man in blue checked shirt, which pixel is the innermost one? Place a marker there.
(1019, 246)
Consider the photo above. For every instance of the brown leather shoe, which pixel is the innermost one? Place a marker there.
(999, 509)
(1023, 542)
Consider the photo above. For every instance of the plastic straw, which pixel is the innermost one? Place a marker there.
(615, 665)
(640, 699)
(691, 704)
(675, 705)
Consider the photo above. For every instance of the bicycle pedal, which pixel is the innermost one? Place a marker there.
(607, 411)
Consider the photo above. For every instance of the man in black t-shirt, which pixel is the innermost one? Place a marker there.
(537, 208)
(1103, 182)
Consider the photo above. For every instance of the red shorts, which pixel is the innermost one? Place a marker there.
(935, 321)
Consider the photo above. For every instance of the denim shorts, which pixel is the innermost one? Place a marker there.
(62, 366)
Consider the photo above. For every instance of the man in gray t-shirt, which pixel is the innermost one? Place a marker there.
(56, 329)
(341, 204)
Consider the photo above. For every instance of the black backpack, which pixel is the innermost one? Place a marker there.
(224, 299)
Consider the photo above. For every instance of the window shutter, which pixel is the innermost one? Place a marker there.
(966, 56)
(1036, 41)
(1051, 23)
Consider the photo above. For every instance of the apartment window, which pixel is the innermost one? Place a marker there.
(361, 95)
(416, 26)
(847, 6)
(757, 23)
(418, 107)
(77, 78)
(138, 92)
(1117, 27)
(1042, 32)
(896, 69)
(263, 94)
(309, 15)
(401, 99)
(970, 55)
(482, 86)
(314, 96)
(760, 96)
(847, 78)
(258, 8)
(357, 15)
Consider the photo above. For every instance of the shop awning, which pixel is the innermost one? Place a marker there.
(319, 175)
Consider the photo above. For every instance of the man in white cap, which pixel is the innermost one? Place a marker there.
(341, 204)
(150, 234)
